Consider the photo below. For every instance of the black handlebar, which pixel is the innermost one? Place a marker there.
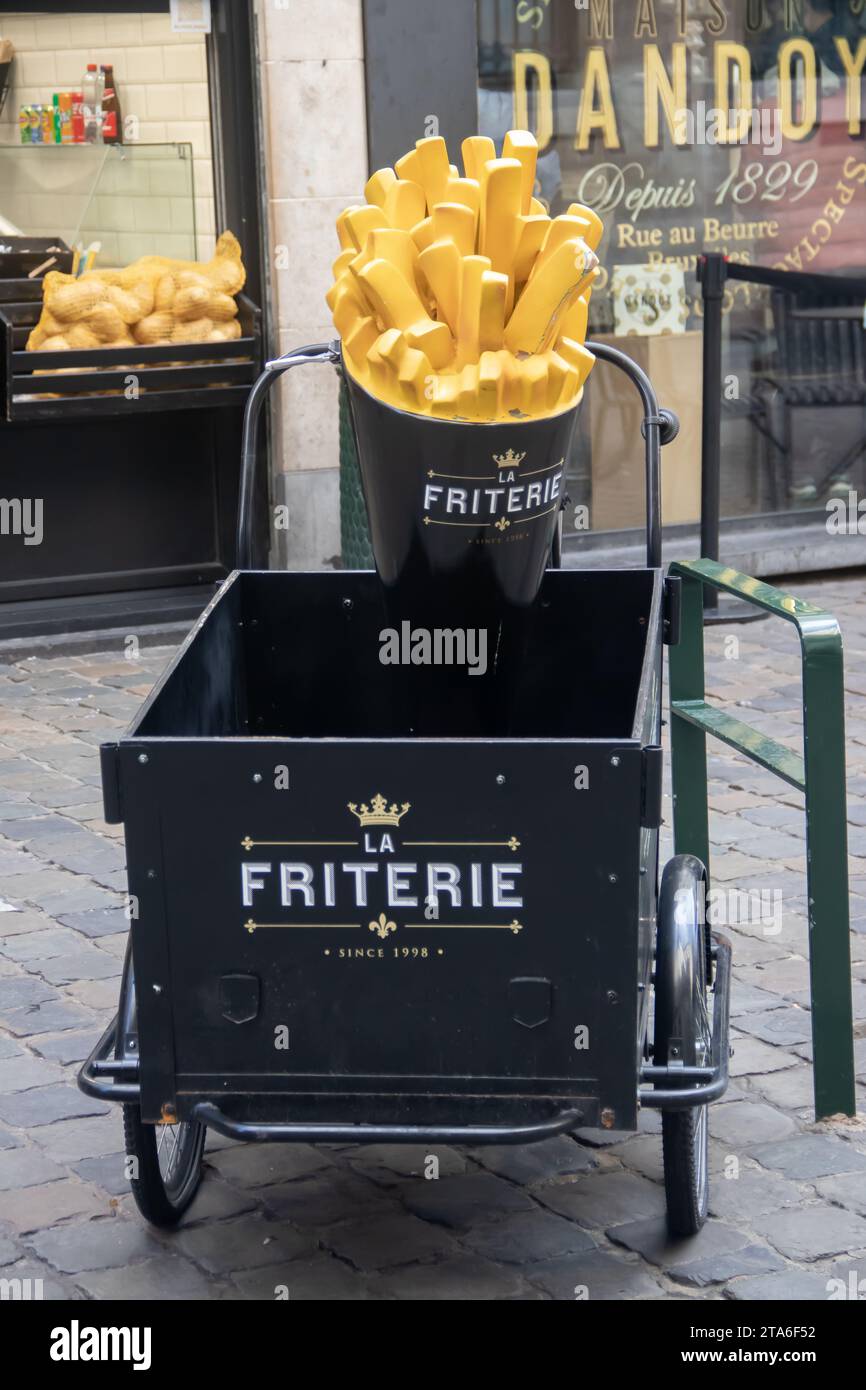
(659, 427)
(317, 352)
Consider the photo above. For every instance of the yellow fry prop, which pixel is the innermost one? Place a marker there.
(457, 296)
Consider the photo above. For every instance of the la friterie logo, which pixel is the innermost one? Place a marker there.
(464, 500)
(348, 884)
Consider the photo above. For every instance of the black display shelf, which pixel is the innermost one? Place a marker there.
(138, 490)
(182, 376)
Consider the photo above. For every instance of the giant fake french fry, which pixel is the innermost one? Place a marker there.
(457, 296)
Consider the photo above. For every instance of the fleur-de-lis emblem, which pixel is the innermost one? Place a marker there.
(502, 524)
(382, 926)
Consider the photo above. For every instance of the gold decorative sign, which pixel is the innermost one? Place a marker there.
(380, 886)
(733, 126)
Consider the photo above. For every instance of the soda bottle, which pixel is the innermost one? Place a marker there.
(75, 124)
(112, 116)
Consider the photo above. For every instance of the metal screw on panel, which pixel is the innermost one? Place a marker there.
(611, 878)
(499, 779)
(612, 997)
(614, 762)
(157, 989)
(142, 757)
(348, 604)
(257, 777)
(151, 873)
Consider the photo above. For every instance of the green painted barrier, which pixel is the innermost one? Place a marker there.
(820, 774)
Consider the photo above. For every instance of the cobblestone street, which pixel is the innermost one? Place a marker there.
(569, 1218)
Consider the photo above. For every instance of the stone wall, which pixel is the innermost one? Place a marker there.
(312, 84)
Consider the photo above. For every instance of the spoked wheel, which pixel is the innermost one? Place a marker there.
(167, 1164)
(164, 1161)
(686, 1160)
(683, 1034)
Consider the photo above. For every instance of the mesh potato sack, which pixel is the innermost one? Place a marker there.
(154, 300)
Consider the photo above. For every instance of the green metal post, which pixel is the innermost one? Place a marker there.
(689, 743)
(827, 870)
(820, 774)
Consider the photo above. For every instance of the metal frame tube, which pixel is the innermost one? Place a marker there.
(659, 427)
(317, 352)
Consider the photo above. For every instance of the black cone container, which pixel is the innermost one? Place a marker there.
(467, 510)
(462, 518)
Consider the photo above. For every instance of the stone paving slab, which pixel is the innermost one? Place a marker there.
(577, 1217)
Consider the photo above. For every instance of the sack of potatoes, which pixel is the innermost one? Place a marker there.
(457, 296)
(154, 301)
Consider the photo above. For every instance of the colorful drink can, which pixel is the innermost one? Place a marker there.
(64, 101)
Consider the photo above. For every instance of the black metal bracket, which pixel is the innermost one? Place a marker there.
(109, 766)
(107, 1077)
(652, 772)
(672, 605)
(680, 1087)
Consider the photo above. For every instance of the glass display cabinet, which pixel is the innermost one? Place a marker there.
(133, 200)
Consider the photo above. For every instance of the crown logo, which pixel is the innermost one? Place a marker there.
(379, 812)
(508, 459)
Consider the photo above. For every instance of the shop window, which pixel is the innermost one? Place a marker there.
(732, 126)
(149, 189)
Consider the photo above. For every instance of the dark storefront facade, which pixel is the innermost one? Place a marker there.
(692, 126)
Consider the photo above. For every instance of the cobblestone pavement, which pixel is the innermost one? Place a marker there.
(788, 1202)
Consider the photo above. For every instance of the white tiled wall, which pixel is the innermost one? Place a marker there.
(162, 80)
(312, 80)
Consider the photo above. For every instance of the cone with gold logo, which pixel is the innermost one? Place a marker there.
(462, 309)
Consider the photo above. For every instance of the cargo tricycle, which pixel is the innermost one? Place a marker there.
(415, 901)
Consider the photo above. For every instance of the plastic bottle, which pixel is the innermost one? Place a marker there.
(92, 88)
